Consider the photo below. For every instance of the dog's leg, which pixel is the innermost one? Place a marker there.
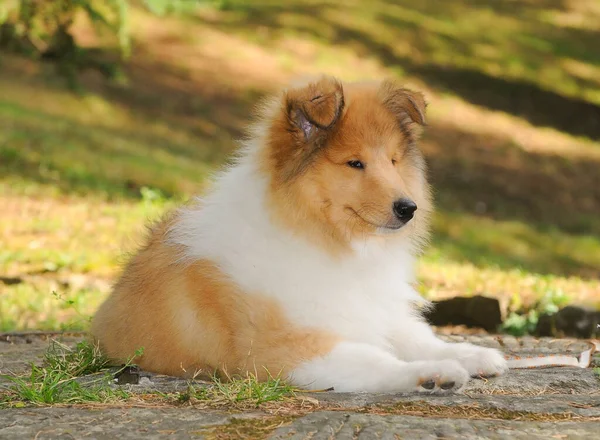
(414, 340)
(352, 367)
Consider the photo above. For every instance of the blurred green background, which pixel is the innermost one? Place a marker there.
(112, 112)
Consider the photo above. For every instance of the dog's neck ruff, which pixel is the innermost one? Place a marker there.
(243, 239)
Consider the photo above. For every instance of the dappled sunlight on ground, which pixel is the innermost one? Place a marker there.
(512, 143)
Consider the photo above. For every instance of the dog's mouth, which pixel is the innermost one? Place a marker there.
(386, 227)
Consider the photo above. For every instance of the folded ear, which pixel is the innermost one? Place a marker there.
(309, 117)
(407, 106)
(313, 110)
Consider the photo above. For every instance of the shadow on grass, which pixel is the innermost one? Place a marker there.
(483, 176)
(545, 193)
(197, 133)
(465, 57)
(515, 247)
(486, 175)
(213, 107)
(508, 208)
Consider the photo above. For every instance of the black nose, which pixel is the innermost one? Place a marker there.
(404, 209)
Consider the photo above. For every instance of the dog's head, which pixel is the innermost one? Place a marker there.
(343, 161)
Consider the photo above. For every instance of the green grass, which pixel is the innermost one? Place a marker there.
(512, 141)
(77, 235)
(508, 244)
(37, 306)
(64, 257)
(238, 392)
(516, 41)
(521, 322)
(55, 381)
(40, 147)
(79, 374)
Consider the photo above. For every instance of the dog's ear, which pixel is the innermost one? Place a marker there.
(309, 118)
(407, 106)
(313, 110)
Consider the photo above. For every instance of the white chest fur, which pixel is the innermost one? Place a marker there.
(361, 297)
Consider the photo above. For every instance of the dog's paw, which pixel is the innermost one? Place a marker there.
(480, 361)
(442, 377)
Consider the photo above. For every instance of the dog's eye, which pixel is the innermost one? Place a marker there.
(356, 164)
(393, 161)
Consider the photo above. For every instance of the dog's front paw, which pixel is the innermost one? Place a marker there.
(441, 376)
(480, 361)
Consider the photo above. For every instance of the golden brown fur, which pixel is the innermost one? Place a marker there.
(314, 193)
(190, 316)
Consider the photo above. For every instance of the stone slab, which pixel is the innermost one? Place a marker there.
(557, 380)
(18, 351)
(563, 393)
(348, 426)
(528, 382)
(525, 345)
(108, 423)
(577, 405)
(188, 423)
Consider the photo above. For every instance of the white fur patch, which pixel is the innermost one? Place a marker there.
(365, 298)
(359, 297)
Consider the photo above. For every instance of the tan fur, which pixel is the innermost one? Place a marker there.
(189, 316)
(323, 199)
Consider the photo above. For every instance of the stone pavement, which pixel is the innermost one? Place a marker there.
(561, 402)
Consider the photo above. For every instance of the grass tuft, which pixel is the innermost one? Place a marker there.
(84, 358)
(251, 390)
(523, 320)
(60, 380)
(239, 392)
(55, 381)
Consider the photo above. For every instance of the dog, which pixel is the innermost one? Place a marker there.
(298, 263)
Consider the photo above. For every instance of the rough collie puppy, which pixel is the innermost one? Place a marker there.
(299, 262)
